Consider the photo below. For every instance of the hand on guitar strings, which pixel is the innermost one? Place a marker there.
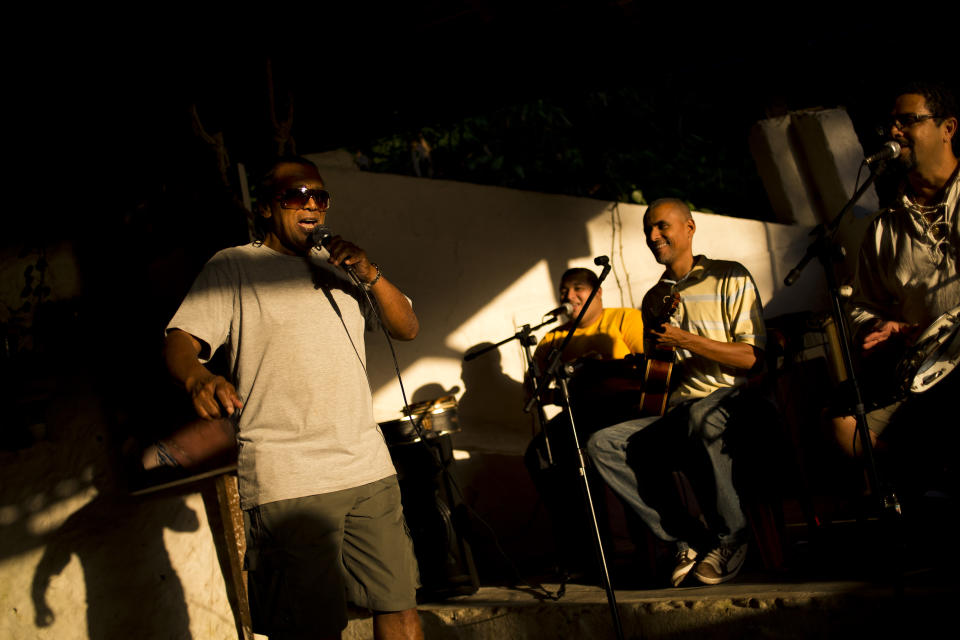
(885, 331)
(736, 354)
(668, 335)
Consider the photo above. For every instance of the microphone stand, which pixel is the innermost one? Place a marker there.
(556, 370)
(828, 252)
(527, 340)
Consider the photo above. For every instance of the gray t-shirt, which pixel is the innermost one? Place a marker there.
(294, 327)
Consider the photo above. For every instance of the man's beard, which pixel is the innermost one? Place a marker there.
(903, 163)
(659, 257)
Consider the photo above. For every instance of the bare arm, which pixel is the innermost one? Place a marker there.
(208, 391)
(738, 355)
(398, 315)
(396, 312)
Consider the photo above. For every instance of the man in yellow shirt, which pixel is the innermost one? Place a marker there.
(603, 334)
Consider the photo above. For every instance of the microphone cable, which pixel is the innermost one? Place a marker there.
(417, 422)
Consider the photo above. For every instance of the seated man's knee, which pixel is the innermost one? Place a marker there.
(597, 443)
(708, 421)
(843, 430)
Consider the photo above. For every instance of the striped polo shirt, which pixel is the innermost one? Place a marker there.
(718, 300)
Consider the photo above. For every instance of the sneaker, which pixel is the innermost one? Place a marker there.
(721, 564)
(686, 559)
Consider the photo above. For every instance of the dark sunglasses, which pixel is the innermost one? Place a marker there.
(299, 197)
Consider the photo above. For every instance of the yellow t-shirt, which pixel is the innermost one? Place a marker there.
(618, 333)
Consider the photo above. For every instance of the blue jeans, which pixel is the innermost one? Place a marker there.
(636, 459)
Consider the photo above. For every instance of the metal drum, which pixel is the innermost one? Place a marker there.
(435, 418)
(934, 355)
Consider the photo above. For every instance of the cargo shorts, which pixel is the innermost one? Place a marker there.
(307, 557)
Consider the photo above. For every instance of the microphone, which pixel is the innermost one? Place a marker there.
(889, 151)
(321, 235)
(602, 261)
(565, 309)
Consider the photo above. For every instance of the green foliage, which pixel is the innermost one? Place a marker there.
(625, 145)
(34, 289)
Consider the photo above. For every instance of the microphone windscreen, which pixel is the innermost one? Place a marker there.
(320, 235)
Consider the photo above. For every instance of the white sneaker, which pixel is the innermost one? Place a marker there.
(686, 559)
(721, 564)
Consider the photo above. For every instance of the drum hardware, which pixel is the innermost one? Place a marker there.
(434, 512)
(829, 252)
(435, 418)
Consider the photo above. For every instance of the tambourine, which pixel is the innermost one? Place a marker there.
(934, 354)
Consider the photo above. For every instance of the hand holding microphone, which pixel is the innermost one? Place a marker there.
(345, 254)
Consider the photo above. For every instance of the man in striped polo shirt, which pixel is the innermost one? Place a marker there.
(718, 334)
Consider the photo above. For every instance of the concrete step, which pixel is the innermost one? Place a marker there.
(852, 609)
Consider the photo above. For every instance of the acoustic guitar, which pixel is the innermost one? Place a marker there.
(606, 392)
(659, 365)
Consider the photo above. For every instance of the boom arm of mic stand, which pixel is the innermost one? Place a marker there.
(553, 361)
(586, 305)
(517, 336)
(821, 233)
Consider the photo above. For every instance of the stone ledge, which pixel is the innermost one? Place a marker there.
(727, 611)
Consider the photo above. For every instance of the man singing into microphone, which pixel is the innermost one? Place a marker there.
(319, 492)
(908, 276)
(603, 334)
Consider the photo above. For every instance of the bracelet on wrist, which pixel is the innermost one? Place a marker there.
(376, 278)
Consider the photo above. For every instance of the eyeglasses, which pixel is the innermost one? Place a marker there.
(906, 120)
(299, 197)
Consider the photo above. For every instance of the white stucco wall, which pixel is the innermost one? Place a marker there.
(481, 261)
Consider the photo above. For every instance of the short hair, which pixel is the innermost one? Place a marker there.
(677, 202)
(268, 180)
(264, 190)
(939, 98)
(579, 272)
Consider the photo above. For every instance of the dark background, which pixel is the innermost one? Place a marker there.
(127, 128)
(587, 98)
